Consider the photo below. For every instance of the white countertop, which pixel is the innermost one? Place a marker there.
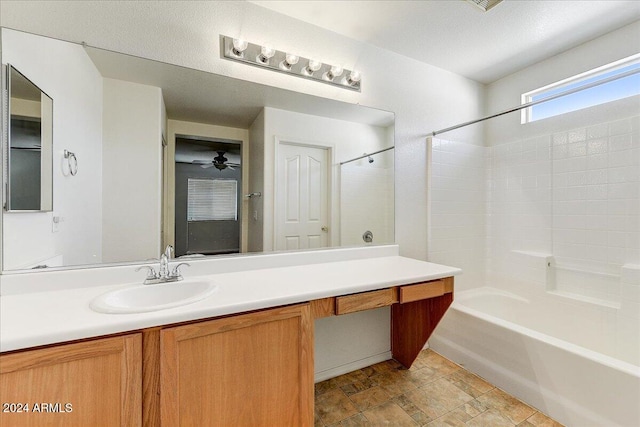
(54, 316)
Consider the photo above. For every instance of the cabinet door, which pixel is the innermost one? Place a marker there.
(253, 369)
(92, 383)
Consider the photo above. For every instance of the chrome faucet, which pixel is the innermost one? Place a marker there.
(164, 274)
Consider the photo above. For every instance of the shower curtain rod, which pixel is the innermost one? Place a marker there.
(540, 101)
(367, 155)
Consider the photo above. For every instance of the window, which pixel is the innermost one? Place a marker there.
(611, 82)
(212, 200)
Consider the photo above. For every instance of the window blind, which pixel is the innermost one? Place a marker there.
(212, 199)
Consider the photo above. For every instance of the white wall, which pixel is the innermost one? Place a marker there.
(132, 182)
(256, 184)
(422, 97)
(366, 200)
(345, 139)
(506, 93)
(77, 127)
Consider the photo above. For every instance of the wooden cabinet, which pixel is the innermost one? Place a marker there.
(421, 308)
(93, 383)
(366, 301)
(416, 310)
(247, 369)
(253, 369)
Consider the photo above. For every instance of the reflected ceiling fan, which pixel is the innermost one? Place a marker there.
(220, 162)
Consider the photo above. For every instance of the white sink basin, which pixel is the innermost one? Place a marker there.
(143, 298)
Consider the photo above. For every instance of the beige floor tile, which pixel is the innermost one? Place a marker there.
(345, 379)
(421, 418)
(467, 389)
(541, 420)
(438, 363)
(472, 380)
(357, 387)
(389, 414)
(473, 408)
(447, 420)
(334, 406)
(382, 367)
(355, 421)
(490, 418)
(322, 387)
(406, 405)
(423, 376)
(433, 392)
(437, 398)
(369, 398)
(394, 383)
(508, 406)
(468, 411)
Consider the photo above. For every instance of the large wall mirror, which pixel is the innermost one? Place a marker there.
(29, 142)
(209, 164)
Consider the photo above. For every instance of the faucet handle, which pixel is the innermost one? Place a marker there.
(168, 251)
(176, 269)
(151, 273)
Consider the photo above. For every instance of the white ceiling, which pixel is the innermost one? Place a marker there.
(457, 36)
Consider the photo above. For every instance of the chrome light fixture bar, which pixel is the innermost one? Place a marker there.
(485, 5)
(264, 56)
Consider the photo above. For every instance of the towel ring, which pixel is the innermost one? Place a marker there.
(72, 161)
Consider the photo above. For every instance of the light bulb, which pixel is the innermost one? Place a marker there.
(312, 66)
(266, 52)
(289, 60)
(334, 72)
(354, 78)
(239, 46)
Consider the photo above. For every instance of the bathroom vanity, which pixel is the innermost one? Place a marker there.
(249, 361)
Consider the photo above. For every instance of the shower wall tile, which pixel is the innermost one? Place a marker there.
(576, 198)
(458, 205)
(573, 195)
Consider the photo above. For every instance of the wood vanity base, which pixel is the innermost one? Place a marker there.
(252, 368)
(413, 323)
(416, 310)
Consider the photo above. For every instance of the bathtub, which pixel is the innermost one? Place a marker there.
(483, 331)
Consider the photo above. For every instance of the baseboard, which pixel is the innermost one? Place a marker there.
(351, 366)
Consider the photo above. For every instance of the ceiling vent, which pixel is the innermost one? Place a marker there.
(485, 5)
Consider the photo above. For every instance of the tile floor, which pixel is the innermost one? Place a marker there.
(435, 392)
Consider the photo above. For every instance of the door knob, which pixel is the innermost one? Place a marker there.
(325, 228)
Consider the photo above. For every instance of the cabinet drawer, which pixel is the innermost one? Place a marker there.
(422, 291)
(366, 301)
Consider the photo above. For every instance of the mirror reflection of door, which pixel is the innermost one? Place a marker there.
(208, 187)
(30, 146)
(302, 200)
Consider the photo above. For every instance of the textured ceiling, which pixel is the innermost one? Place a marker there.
(457, 36)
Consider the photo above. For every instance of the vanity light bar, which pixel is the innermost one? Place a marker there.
(265, 56)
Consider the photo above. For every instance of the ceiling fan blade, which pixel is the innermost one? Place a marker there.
(206, 165)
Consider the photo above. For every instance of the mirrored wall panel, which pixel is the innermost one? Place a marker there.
(147, 154)
(30, 139)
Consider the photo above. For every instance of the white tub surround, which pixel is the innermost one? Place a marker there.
(53, 307)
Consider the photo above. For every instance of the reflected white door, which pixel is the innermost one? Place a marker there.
(302, 201)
